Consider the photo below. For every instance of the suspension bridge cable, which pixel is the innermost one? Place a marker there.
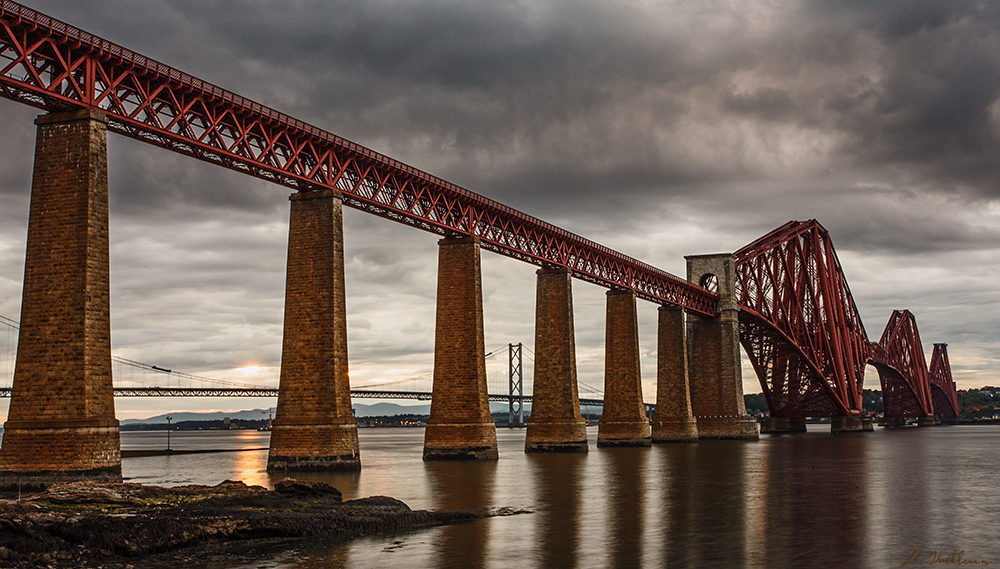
(156, 369)
(182, 375)
(498, 375)
(393, 382)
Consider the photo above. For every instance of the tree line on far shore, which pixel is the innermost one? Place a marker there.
(983, 403)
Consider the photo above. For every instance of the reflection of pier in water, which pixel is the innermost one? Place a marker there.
(557, 480)
(462, 485)
(816, 489)
(791, 501)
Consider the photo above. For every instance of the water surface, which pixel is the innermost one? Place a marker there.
(806, 500)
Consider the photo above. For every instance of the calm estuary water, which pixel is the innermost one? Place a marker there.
(807, 500)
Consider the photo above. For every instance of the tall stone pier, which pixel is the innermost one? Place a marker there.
(61, 424)
(623, 422)
(674, 420)
(460, 426)
(556, 424)
(314, 426)
(714, 355)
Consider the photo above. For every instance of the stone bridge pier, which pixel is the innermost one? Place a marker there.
(714, 355)
(460, 426)
(623, 421)
(314, 426)
(61, 424)
(674, 420)
(556, 424)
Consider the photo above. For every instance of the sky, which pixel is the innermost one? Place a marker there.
(659, 129)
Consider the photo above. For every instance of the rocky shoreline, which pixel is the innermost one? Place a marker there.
(106, 525)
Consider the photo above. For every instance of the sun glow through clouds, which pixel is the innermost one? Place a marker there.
(250, 370)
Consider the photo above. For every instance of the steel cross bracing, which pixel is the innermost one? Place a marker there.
(804, 336)
(944, 398)
(902, 369)
(54, 66)
(799, 324)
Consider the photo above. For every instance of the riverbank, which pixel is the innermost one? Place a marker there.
(102, 524)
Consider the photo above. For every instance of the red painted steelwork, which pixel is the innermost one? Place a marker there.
(899, 359)
(53, 66)
(944, 397)
(799, 324)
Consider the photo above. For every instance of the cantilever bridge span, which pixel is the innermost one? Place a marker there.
(805, 338)
(784, 296)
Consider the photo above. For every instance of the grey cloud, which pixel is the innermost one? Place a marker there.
(765, 103)
(904, 18)
(660, 130)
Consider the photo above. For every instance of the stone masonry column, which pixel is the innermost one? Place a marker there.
(460, 426)
(623, 422)
(714, 355)
(61, 424)
(674, 421)
(556, 424)
(314, 426)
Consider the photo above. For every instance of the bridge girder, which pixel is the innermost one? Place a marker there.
(52, 65)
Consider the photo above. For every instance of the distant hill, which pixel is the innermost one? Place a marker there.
(362, 410)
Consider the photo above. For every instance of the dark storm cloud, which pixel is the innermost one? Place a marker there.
(659, 129)
(146, 183)
(764, 103)
(934, 106)
(527, 101)
(464, 90)
(867, 218)
(17, 143)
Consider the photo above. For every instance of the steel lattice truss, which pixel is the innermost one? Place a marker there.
(195, 392)
(944, 398)
(899, 359)
(54, 66)
(273, 392)
(799, 324)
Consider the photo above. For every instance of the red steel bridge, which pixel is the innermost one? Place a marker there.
(802, 331)
(798, 322)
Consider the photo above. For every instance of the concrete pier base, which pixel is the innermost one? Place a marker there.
(928, 421)
(851, 425)
(555, 424)
(675, 431)
(38, 453)
(727, 428)
(460, 426)
(314, 426)
(556, 436)
(316, 447)
(780, 425)
(61, 424)
(892, 422)
(458, 441)
(624, 421)
(674, 422)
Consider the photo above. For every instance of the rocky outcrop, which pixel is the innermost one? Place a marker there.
(90, 524)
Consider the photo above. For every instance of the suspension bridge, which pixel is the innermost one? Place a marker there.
(508, 372)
